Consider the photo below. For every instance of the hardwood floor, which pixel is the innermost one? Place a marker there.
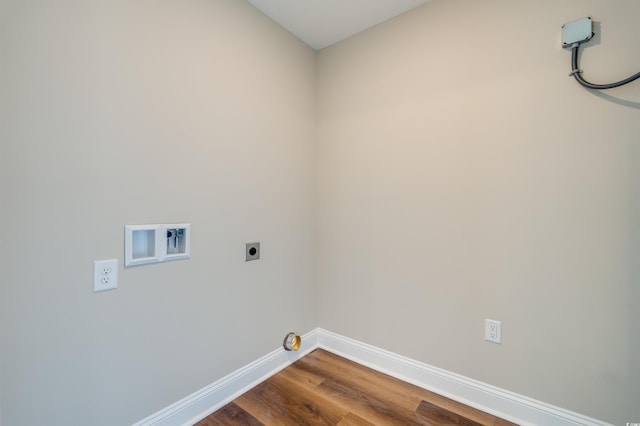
(325, 389)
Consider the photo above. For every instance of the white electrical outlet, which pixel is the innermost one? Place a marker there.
(105, 275)
(492, 331)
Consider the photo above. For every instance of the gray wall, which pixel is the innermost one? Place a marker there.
(464, 176)
(130, 112)
(461, 176)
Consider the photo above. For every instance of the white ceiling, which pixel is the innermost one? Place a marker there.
(320, 23)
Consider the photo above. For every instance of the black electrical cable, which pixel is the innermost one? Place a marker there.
(577, 73)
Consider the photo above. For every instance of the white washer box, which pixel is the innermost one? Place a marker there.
(145, 244)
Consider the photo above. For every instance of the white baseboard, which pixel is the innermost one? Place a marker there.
(200, 404)
(490, 399)
(499, 402)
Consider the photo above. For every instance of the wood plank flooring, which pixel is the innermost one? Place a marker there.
(325, 389)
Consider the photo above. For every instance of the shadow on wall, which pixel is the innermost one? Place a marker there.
(616, 100)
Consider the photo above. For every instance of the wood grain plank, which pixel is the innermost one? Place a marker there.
(230, 415)
(432, 414)
(325, 389)
(280, 401)
(461, 409)
(351, 374)
(353, 420)
(367, 406)
(401, 393)
(302, 376)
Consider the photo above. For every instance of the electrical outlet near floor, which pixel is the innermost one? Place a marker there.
(492, 331)
(105, 275)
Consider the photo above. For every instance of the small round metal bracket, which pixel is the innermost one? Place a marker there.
(292, 342)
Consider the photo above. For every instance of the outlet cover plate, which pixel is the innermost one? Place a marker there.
(105, 275)
(252, 251)
(492, 331)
